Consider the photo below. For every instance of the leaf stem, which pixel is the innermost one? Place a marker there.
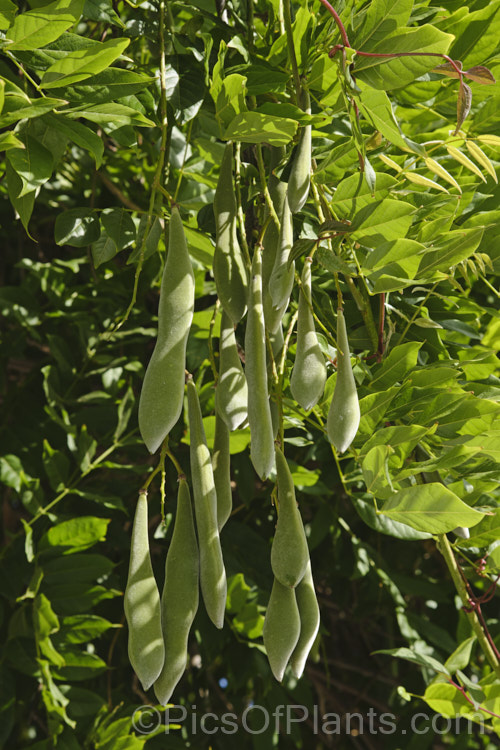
(340, 25)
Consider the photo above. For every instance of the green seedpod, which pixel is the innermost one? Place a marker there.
(283, 273)
(343, 415)
(281, 628)
(212, 573)
(277, 191)
(309, 622)
(230, 270)
(180, 597)
(259, 410)
(231, 395)
(221, 461)
(142, 603)
(308, 378)
(162, 393)
(300, 174)
(289, 551)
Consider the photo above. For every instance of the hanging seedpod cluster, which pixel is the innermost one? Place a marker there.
(256, 294)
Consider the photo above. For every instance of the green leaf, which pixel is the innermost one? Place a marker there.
(330, 261)
(37, 28)
(424, 660)
(452, 248)
(398, 72)
(252, 127)
(381, 20)
(27, 109)
(460, 658)
(353, 193)
(45, 619)
(8, 11)
(111, 116)
(230, 99)
(384, 525)
(22, 204)
(9, 140)
(393, 265)
(381, 221)
(33, 164)
(430, 507)
(485, 533)
(80, 567)
(81, 64)
(119, 226)
(56, 466)
(400, 360)
(107, 86)
(373, 408)
(84, 628)
(76, 534)
(80, 134)
(476, 34)
(77, 227)
(376, 106)
(11, 471)
(103, 249)
(102, 11)
(125, 408)
(447, 700)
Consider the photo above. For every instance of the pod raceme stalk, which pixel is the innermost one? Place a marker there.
(162, 393)
(344, 414)
(142, 603)
(212, 573)
(180, 597)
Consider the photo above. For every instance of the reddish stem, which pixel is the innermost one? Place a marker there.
(339, 23)
(469, 700)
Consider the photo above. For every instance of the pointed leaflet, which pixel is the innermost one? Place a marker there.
(481, 157)
(463, 159)
(41, 26)
(431, 507)
(480, 74)
(81, 64)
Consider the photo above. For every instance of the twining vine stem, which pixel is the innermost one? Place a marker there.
(444, 547)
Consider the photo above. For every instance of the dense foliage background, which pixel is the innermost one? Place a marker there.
(86, 124)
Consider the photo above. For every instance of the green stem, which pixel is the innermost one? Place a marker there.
(264, 188)
(445, 549)
(416, 313)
